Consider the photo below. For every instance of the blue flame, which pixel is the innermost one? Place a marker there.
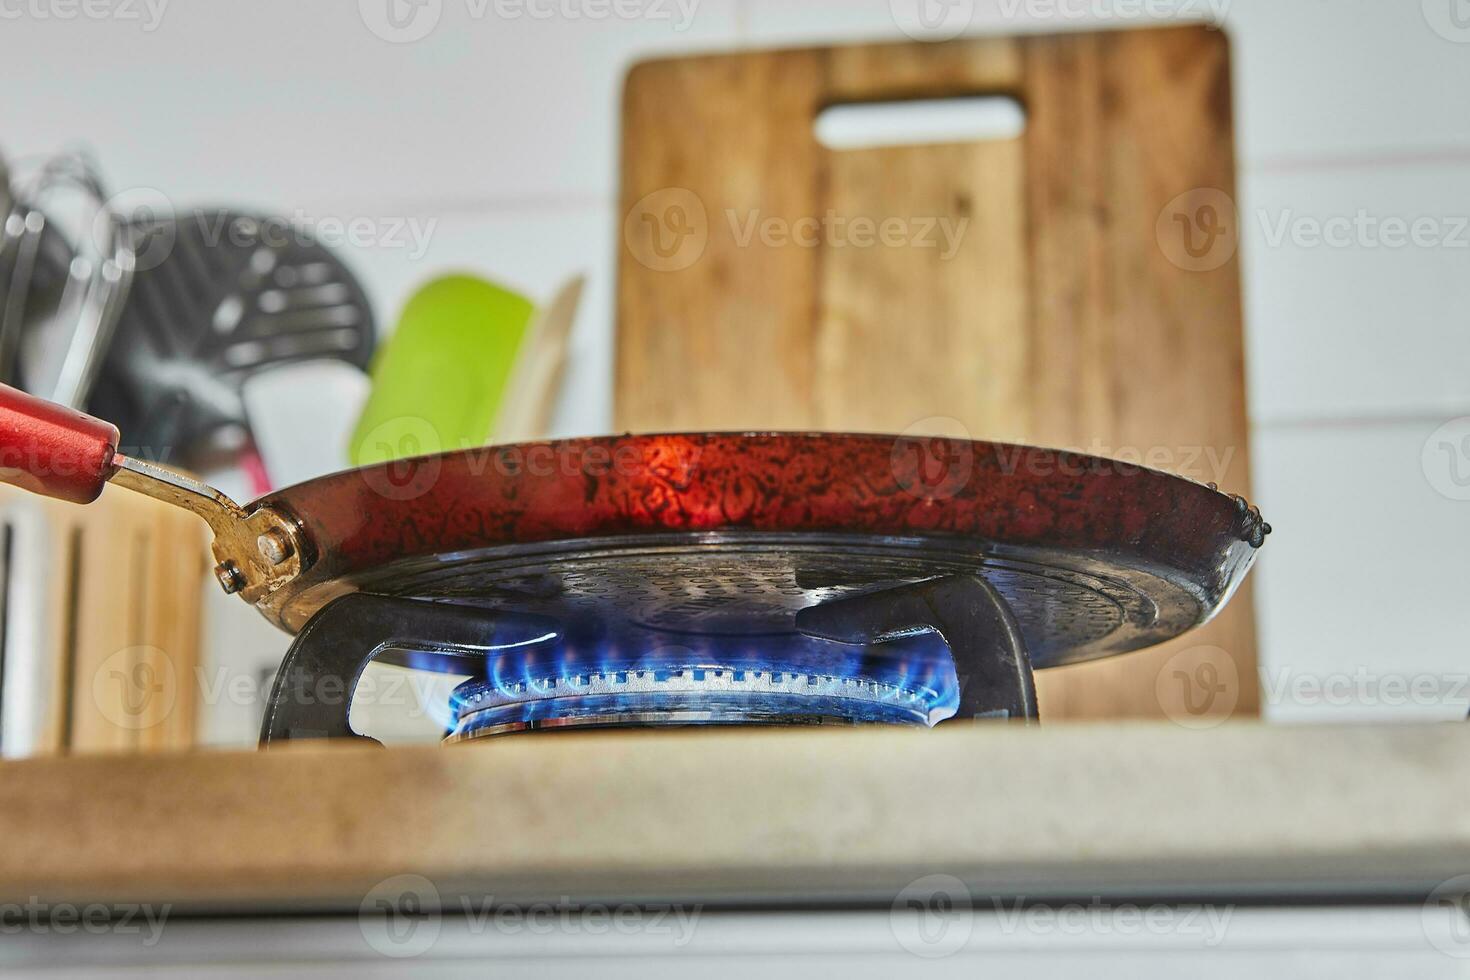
(915, 671)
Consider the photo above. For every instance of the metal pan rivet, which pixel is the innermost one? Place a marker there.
(230, 578)
(274, 546)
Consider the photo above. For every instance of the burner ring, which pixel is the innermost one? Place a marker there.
(648, 719)
(711, 695)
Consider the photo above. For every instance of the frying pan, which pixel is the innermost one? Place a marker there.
(720, 534)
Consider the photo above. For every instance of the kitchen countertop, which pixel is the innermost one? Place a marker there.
(772, 816)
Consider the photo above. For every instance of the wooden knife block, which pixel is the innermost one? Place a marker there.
(1062, 319)
(101, 624)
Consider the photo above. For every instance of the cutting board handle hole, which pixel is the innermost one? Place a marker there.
(920, 122)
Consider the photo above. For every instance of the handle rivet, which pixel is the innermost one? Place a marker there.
(274, 546)
(230, 577)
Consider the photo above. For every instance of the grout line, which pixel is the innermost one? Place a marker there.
(562, 203)
(1432, 156)
(1386, 420)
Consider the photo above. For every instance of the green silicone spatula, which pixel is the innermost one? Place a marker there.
(438, 381)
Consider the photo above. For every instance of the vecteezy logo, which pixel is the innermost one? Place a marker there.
(667, 230)
(401, 21)
(1199, 230)
(933, 917)
(1445, 917)
(933, 459)
(410, 448)
(1446, 459)
(932, 20)
(136, 687)
(1199, 687)
(400, 917)
(1450, 19)
(144, 218)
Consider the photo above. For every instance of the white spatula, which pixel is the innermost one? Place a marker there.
(302, 417)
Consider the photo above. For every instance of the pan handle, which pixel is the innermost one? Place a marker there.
(54, 451)
(59, 452)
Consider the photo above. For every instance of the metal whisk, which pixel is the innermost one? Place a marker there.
(55, 287)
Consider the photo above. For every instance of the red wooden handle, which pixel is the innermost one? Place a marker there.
(54, 451)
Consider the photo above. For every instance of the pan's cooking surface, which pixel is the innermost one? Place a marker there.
(726, 532)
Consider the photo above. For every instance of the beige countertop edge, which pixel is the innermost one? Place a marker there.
(752, 815)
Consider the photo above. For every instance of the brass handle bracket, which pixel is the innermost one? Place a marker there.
(256, 550)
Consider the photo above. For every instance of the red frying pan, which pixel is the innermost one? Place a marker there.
(713, 533)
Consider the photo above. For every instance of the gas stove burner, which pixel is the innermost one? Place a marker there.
(792, 679)
(914, 655)
(693, 696)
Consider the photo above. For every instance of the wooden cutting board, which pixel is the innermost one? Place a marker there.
(1086, 294)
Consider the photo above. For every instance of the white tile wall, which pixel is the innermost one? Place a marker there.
(1349, 79)
(1362, 608)
(500, 128)
(1348, 315)
(301, 105)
